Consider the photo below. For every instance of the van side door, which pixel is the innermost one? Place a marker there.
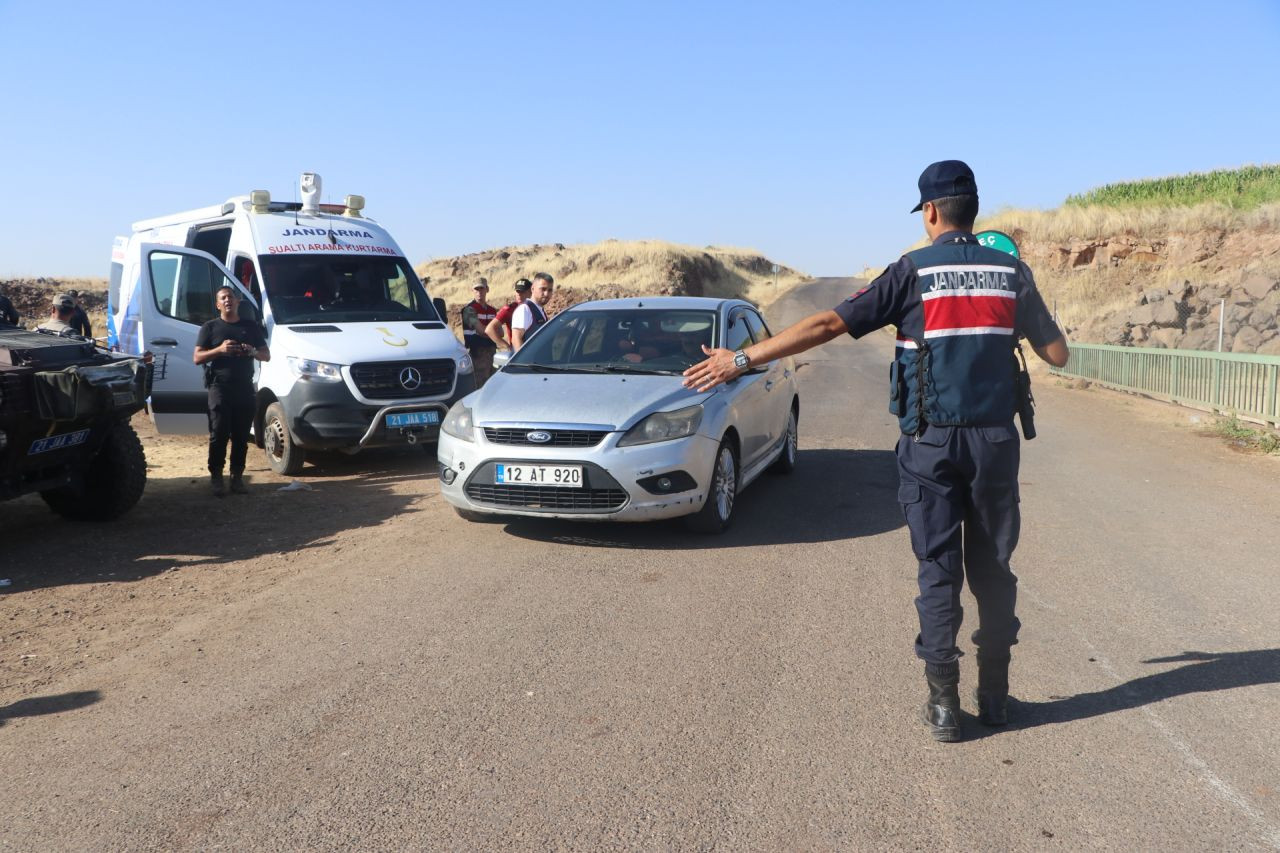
(178, 288)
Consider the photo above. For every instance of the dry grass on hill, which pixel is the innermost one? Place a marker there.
(1072, 223)
(613, 268)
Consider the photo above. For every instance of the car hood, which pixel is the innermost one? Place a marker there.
(610, 401)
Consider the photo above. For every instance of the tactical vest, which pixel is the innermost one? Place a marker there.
(539, 317)
(957, 367)
(484, 313)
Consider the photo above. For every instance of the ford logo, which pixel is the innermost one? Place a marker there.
(538, 436)
(410, 378)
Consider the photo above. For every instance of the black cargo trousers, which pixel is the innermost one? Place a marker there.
(958, 487)
(230, 418)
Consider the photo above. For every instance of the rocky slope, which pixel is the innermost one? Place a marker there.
(1157, 279)
(33, 297)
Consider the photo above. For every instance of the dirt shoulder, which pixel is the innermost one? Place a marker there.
(82, 593)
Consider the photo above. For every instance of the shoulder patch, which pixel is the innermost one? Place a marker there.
(859, 293)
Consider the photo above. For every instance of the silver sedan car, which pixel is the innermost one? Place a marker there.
(590, 419)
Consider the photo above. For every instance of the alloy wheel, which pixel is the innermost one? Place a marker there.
(725, 485)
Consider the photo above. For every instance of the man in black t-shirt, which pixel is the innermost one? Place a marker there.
(226, 346)
(79, 321)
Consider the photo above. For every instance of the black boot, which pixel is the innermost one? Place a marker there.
(992, 693)
(941, 712)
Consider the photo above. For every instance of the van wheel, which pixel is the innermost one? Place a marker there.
(283, 453)
(786, 461)
(717, 513)
(110, 484)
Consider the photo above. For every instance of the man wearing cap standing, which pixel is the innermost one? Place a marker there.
(476, 316)
(60, 317)
(959, 308)
(502, 321)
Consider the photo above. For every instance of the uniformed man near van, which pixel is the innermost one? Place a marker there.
(476, 316)
(959, 309)
(59, 320)
(227, 347)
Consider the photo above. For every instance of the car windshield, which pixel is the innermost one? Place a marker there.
(619, 340)
(343, 289)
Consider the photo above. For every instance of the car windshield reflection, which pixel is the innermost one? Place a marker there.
(630, 340)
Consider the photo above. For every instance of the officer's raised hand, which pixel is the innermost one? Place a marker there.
(716, 369)
(722, 365)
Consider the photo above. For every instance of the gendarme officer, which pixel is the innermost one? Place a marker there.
(959, 309)
(227, 347)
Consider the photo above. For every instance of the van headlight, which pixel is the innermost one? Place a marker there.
(664, 426)
(315, 371)
(459, 423)
(466, 365)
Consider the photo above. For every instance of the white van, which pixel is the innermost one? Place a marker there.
(360, 355)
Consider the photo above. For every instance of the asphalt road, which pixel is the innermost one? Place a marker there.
(415, 681)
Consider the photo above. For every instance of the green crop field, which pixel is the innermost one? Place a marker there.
(1243, 189)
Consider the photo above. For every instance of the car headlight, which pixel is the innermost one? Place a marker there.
(459, 423)
(466, 365)
(315, 371)
(664, 426)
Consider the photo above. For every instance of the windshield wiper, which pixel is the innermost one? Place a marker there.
(555, 368)
(651, 371)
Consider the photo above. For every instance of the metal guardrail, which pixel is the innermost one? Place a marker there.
(1243, 385)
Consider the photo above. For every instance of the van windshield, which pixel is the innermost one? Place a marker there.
(343, 289)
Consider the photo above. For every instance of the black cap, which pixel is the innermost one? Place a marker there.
(523, 284)
(945, 178)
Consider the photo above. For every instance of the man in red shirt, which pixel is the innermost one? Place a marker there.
(503, 319)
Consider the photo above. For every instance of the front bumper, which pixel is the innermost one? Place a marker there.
(326, 416)
(611, 489)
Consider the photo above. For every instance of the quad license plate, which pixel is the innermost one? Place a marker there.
(412, 419)
(57, 442)
(569, 476)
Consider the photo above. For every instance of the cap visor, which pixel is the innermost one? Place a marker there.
(918, 207)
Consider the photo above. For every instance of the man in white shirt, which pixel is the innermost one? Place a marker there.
(531, 313)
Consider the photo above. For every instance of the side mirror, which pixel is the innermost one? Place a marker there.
(500, 358)
(441, 309)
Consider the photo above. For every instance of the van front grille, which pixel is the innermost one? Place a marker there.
(395, 380)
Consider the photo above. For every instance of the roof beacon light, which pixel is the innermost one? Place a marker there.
(260, 201)
(355, 204)
(309, 183)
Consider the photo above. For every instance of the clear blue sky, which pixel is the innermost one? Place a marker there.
(797, 129)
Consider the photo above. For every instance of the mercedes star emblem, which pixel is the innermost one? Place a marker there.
(410, 378)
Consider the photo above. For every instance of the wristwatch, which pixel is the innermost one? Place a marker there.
(740, 360)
